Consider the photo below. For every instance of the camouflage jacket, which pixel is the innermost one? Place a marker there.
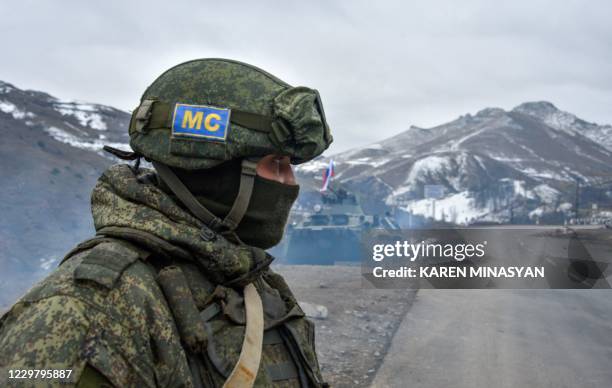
(154, 301)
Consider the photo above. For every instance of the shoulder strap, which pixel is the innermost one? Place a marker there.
(245, 370)
(105, 262)
(83, 246)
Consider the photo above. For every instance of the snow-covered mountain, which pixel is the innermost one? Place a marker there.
(564, 121)
(520, 165)
(79, 124)
(50, 153)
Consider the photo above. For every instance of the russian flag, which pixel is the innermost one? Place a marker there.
(327, 175)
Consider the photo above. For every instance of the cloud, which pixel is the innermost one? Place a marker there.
(380, 66)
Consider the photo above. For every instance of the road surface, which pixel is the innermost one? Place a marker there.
(502, 338)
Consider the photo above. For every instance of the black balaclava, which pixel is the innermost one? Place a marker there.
(216, 188)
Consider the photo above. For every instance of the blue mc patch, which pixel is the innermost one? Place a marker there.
(200, 121)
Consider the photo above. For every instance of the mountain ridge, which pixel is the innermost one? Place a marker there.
(534, 147)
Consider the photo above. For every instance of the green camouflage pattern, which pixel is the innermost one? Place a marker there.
(126, 333)
(125, 204)
(104, 308)
(299, 128)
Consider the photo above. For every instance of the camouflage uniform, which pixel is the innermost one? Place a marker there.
(155, 298)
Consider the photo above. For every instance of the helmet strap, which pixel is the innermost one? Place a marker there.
(184, 195)
(232, 220)
(241, 203)
(125, 155)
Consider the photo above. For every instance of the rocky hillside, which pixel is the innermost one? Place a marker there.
(521, 165)
(51, 157)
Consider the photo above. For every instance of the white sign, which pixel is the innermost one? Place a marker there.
(434, 191)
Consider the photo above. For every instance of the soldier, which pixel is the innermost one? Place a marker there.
(175, 289)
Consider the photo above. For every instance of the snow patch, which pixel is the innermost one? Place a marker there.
(519, 187)
(5, 88)
(313, 166)
(423, 170)
(546, 174)
(94, 145)
(367, 161)
(457, 208)
(601, 135)
(419, 169)
(364, 160)
(565, 207)
(86, 114)
(7, 107)
(391, 198)
(546, 193)
(536, 213)
(10, 108)
(562, 121)
(428, 165)
(454, 144)
(504, 158)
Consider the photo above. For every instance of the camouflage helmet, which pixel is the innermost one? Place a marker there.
(201, 113)
(204, 112)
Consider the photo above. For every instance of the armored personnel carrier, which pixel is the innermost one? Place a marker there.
(329, 230)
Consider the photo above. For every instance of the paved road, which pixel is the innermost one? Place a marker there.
(503, 338)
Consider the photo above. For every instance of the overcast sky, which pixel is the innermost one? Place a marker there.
(380, 66)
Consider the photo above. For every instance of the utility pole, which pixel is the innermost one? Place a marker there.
(577, 199)
(433, 209)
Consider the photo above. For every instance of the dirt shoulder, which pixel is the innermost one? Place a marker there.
(352, 341)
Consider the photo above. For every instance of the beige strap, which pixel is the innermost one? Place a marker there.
(244, 373)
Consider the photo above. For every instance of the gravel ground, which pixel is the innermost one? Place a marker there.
(352, 341)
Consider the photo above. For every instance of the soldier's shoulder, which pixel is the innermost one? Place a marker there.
(100, 306)
(93, 273)
(110, 279)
